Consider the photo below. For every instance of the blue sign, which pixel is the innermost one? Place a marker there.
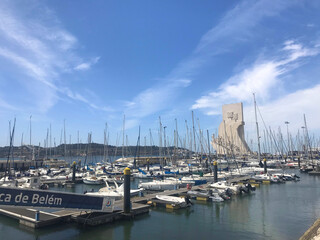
(53, 199)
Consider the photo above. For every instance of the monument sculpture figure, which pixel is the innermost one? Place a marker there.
(230, 139)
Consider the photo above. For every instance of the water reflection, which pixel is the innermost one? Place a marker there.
(279, 211)
(127, 226)
(217, 208)
(127, 230)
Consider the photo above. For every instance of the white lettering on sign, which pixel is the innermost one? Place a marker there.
(46, 200)
(5, 197)
(18, 197)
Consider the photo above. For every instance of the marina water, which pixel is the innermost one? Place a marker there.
(276, 211)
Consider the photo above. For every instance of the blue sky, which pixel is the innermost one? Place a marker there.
(92, 62)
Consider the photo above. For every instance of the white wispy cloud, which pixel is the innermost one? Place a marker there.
(42, 50)
(290, 107)
(6, 105)
(131, 123)
(31, 69)
(261, 78)
(296, 51)
(78, 97)
(239, 21)
(258, 79)
(236, 25)
(156, 98)
(87, 65)
(153, 100)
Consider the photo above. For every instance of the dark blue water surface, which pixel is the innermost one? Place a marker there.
(278, 211)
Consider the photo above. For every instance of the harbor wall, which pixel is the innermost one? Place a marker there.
(26, 164)
(312, 231)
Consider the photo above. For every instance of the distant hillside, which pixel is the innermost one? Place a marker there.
(88, 149)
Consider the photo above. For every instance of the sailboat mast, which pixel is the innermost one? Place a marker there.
(107, 153)
(194, 134)
(11, 147)
(209, 156)
(307, 137)
(105, 147)
(46, 146)
(176, 141)
(164, 143)
(137, 154)
(124, 120)
(30, 129)
(65, 140)
(150, 141)
(21, 146)
(258, 137)
(160, 142)
(30, 139)
(50, 149)
(78, 145)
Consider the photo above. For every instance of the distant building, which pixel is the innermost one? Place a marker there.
(230, 139)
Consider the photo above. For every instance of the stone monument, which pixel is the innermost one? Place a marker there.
(230, 139)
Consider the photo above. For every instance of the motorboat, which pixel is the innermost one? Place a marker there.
(7, 181)
(224, 193)
(93, 180)
(235, 189)
(288, 177)
(194, 180)
(306, 168)
(112, 179)
(161, 185)
(212, 196)
(215, 197)
(143, 174)
(114, 192)
(106, 192)
(175, 201)
(133, 192)
(33, 183)
(267, 177)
